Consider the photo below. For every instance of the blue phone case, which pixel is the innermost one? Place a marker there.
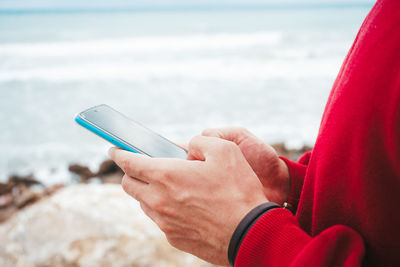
(104, 135)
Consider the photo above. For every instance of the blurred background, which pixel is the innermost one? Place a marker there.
(176, 66)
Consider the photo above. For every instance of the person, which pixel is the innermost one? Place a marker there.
(224, 204)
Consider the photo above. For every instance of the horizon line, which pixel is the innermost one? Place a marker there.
(195, 7)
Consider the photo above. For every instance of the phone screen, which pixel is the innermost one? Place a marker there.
(131, 133)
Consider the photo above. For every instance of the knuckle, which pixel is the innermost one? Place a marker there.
(164, 226)
(167, 177)
(139, 173)
(220, 147)
(162, 174)
(173, 242)
(182, 196)
(158, 204)
(127, 187)
(126, 166)
(243, 130)
(229, 148)
(147, 210)
(194, 140)
(125, 183)
(208, 131)
(225, 145)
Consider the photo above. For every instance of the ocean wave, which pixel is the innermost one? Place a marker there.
(210, 69)
(234, 57)
(148, 44)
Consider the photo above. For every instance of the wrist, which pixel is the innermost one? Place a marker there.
(244, 226)
(277, 184)
(285, 180)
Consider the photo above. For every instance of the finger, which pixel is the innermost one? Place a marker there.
(215, 132)
(234, 134)
(148, 211)
(183, 145)
(134, 187)
(144, 168)
(133, 164)
(202, 147)
(153, 215)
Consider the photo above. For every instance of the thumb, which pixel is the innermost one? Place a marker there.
(200, 147)
(234, 134)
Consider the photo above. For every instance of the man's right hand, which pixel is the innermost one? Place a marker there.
(263, 159)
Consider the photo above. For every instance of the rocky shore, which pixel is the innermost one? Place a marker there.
(92, 223)
(87, 225)
(21, 191)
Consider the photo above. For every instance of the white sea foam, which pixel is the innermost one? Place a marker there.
(150, 44)
(211, 69)
(238, 57)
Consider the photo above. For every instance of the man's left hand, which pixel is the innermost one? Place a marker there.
(197, 203)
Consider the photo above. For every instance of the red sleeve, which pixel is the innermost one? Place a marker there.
(353, 175)
(297, 172)
(277, 240)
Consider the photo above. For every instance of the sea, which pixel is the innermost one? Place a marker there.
(177, 71)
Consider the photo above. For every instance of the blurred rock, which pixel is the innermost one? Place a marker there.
(21, 191)
(27, 196)
(280, 148)
(108, 167)
(52, 189)
(28, 180)
(7, 208)
(6, 188)
(82, 171)
(293, 154)
(6, 200)
(110, 173)
(115, 178)
(16, 181)
(5, 214)
(87, 225)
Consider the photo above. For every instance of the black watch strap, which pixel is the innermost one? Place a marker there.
(244, 226)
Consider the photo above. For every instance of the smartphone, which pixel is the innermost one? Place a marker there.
(127, 134)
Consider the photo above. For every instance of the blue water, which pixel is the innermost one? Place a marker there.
(176, 71)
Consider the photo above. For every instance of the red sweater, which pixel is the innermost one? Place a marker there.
(348, 188)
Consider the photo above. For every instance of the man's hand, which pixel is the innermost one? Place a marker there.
(270, 169)
(197, 203)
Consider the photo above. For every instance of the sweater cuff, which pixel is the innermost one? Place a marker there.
(297, 172)
(244, 226)
(274, 240)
